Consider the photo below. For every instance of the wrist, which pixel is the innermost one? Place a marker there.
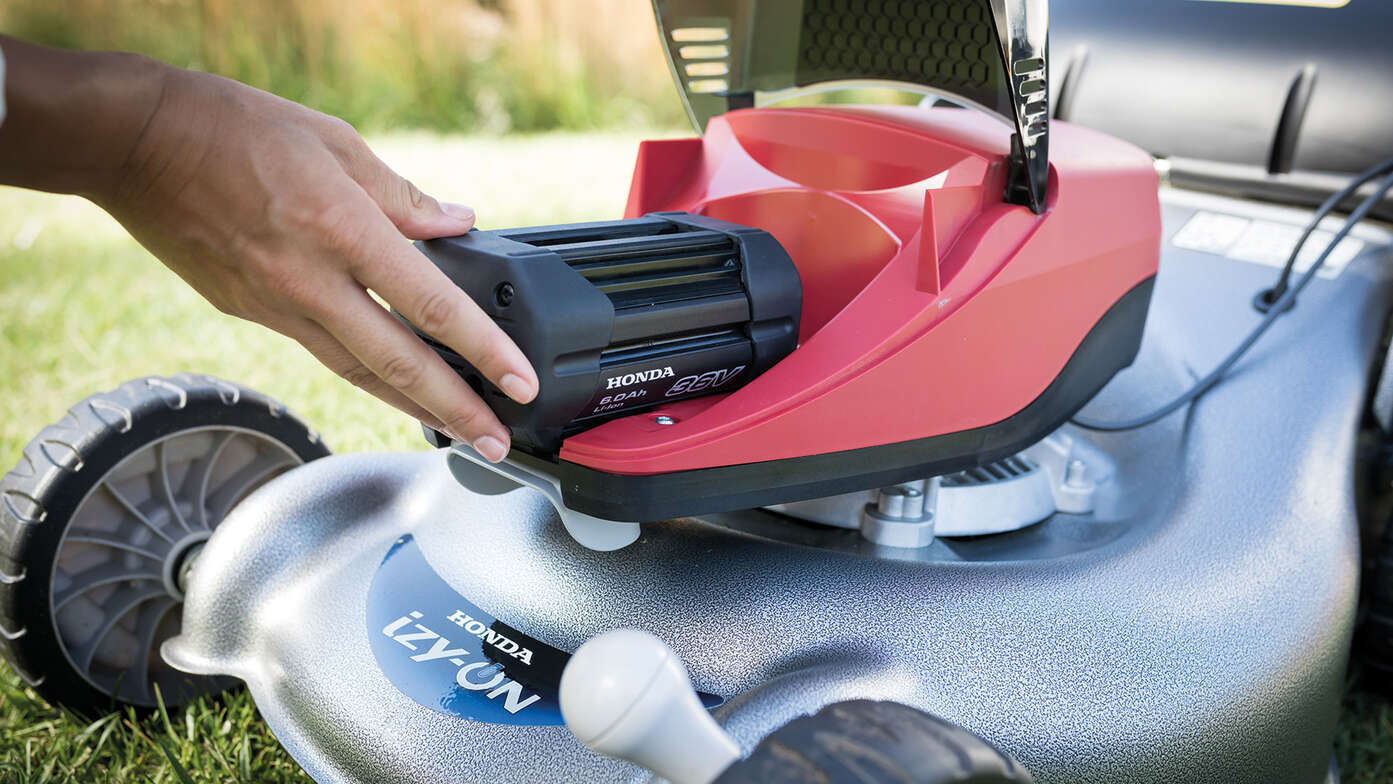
(74, 117)
(165, 142)
(129, 94)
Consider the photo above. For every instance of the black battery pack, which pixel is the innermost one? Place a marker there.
(623, 315)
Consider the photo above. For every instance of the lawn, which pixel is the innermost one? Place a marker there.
(85, 308)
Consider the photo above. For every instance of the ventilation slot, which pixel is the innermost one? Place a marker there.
(651, 350)
(658, 269)
(1010, 468)
(702, 53)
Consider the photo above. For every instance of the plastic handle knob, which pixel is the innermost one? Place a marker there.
(625, 694)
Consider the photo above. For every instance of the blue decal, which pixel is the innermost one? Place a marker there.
(448, 654)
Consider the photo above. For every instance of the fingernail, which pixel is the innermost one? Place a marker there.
(457, 211)
(516, 388)
(491, 448)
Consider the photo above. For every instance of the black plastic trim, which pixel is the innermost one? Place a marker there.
(1303, 86)
(1069, 84)
(1109, 346)
(1303, 188)
(1292, 92)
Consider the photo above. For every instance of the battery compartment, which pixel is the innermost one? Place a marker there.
(621, 316)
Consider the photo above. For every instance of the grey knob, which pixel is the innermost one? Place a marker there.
(625, 694)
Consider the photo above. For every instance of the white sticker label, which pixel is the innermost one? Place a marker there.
(1263, 242)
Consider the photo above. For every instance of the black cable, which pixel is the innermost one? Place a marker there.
(1278, 308)
(1267, 298)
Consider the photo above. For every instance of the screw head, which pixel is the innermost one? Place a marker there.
(504, 294)
(1076, 474)
(664, 419)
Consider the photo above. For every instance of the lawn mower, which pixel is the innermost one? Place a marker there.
(1020, 434)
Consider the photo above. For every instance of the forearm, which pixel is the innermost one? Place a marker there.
(74, 119)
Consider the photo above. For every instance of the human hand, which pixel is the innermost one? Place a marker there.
(282, 215)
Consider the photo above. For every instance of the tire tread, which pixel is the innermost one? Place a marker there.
(868, 742)
(26, 525)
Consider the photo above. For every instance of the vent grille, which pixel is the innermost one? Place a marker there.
(671, 346)
(652, 269)
(1010, 468)
(643, 263)
(658, 269)
(948, 43)
(703, 55)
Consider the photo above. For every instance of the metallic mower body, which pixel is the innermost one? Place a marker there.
(1194, 627)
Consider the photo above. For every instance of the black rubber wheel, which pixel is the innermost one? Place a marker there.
(865, 742)
(102, 516)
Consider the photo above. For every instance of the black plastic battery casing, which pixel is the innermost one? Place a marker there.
(623, 315)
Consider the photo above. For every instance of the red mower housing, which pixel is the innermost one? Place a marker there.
(930, 305)
(942, 327)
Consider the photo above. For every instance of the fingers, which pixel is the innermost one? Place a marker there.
(396, 356)
(366, 238)
(332, 354)
(436, 306)
(416, 215)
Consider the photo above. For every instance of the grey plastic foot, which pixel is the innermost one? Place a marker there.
(481, 476)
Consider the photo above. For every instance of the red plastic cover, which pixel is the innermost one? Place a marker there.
(930, 305)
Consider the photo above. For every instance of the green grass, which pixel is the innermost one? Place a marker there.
(83, 308)
(1364, 746)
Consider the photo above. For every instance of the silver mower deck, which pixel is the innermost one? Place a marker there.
(1194, 627)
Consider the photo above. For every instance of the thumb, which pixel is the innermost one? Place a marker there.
(416, 215)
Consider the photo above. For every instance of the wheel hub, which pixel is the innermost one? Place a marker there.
(118, 581)
(178, 564)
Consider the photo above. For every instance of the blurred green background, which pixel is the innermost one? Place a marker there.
(444, 65)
